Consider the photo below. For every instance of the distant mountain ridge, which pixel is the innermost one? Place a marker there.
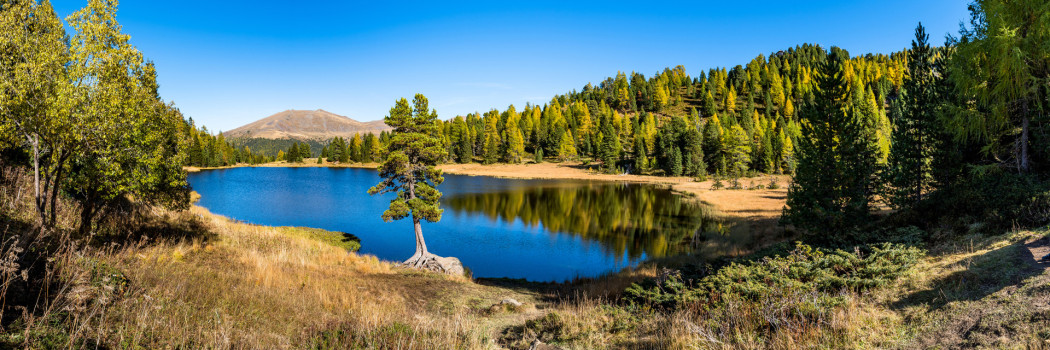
(306, 125)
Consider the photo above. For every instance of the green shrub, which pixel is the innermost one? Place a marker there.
(666, 292)
(804, 271)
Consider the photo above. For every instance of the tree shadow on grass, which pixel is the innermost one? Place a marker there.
(585, 167)
(984, 275)
(997, 300)
(138, 224)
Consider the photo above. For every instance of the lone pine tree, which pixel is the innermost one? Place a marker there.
(415, 147)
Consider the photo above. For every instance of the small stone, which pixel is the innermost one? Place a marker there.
(538, 345)
(511, 302)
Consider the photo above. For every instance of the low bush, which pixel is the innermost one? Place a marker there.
(804, 270)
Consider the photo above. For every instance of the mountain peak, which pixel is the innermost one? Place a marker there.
(305, 125)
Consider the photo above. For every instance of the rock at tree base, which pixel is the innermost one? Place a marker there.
(430, 262)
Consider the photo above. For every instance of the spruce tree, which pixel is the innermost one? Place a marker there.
(610, 148)
(693, 153)
(913, 111)
(833, 186)
(641, 159)
(293, 153)
(675, 161)
(713, 143)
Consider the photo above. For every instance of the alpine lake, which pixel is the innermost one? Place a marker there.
(539, 230)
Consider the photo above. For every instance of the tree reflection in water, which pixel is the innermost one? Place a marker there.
(643, 221)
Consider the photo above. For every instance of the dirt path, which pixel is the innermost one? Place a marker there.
(1037, 249)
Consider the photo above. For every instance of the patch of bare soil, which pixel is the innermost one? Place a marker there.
(1036, 250)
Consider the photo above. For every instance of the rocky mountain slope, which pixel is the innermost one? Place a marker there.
(306, 125)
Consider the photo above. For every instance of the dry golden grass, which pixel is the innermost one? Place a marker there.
(264, 288)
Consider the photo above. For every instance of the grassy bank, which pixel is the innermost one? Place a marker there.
(245, 286)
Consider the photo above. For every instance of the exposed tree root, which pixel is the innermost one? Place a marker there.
(431, 262)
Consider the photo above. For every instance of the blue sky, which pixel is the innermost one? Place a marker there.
(228, 63)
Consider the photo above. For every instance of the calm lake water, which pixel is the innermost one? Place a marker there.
(541, 230)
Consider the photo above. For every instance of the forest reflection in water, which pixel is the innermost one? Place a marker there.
(636, 220)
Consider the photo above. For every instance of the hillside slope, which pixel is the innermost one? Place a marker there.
(306, 125)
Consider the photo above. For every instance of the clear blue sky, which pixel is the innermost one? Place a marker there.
(227, 63)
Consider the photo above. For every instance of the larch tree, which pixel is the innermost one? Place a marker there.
(1002, 65)
(515, 141)
(738, 150)
(409, 171)
(353, 149)
(567, 147)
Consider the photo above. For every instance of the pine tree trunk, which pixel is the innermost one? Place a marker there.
(421, 244)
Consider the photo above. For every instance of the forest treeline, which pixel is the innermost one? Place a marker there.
(727, 122)
(730, 122)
